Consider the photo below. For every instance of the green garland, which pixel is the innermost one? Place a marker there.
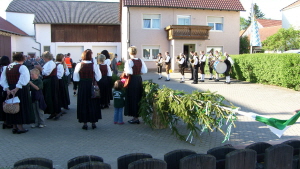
(199, 111)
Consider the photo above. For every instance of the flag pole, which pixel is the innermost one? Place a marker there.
(252, 10)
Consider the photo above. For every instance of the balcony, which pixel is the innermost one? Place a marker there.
(196, 32)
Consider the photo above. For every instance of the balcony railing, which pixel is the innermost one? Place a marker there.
(196, 32)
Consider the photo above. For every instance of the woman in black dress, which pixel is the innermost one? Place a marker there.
(134, 67)
(104, 84)
(50, 83)
(63, 95)
(14, 80)
(88, 109)
(4, 61)
(109, 77)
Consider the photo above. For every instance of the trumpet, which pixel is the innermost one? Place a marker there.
(192, 60)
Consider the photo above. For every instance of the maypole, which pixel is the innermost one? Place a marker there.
(255, 38)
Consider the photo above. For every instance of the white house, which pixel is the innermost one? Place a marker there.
(290, 15)
(9, 35)
(66, 26)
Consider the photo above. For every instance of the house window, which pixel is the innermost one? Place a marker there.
(184, 20)
(151, 21)
(17, 53)
(46, 48)
(31, 54)
(214, 49)
(215, 22)
(150, 52)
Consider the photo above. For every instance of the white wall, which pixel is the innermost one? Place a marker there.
(24, 44)
(76, 48)
(43, 35)
(124, 32)
(22, 21)
(75, 51)
(290, 17)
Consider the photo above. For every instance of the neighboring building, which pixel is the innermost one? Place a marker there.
(267, 27)
(66, 26)
(10, 33)
(290, 15)
(180, 27)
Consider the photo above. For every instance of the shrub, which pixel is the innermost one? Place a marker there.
(274, 69)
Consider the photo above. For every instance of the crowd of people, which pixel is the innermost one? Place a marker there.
(196, 63)
(41, 84)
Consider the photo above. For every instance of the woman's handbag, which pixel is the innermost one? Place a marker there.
(95, 90)
(125, 79)
(11, 106)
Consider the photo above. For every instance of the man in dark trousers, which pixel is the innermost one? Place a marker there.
(191, 65)
(69, 63)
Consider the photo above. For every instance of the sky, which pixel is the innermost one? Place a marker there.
(271, 8)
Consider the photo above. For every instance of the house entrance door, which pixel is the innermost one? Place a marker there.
(187, 48)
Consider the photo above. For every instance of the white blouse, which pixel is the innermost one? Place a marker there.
(97, 71)
(23, 80)
(60, 70)
(107, 61)
(48, 68)
(129, 64)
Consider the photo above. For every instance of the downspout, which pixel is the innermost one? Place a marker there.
(128, 27)
(37, 41)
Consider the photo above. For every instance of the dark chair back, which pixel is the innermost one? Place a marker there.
(92, 165)
(279, 157)
(220, 154)
(148, 163)
(198, 161)
(125, 160)
(260, 148)
(83, 159)
(173, 158)
(38, 161)
(241, 159)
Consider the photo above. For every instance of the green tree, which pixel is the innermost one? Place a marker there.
(243, 23)
(283, 40)
(257, 13)
(244, 44)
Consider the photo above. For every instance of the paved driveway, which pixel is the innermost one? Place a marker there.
(64, 139)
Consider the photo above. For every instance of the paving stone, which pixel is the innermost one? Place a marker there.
(64, 139)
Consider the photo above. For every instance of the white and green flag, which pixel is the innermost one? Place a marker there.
(277, 126)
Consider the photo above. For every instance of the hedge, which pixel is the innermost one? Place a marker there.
(273, 69)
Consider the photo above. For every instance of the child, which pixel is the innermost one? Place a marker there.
(119, 102)
(38, 102)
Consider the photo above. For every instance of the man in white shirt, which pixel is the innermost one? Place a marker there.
(202, 60)
(168, 65)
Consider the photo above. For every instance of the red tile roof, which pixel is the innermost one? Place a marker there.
(231, 5)
(268, 31)
(242, 32)
(7, 27)
(292, 5)
(269, 22)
